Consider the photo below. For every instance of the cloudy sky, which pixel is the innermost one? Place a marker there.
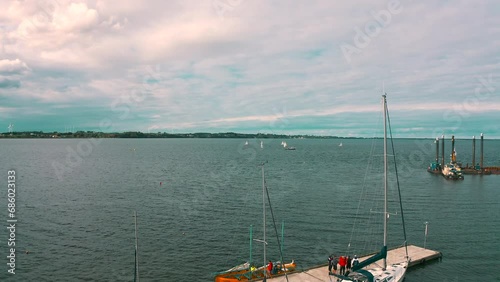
(293, 67)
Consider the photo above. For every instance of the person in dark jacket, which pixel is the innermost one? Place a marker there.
(335, 261)
(330, 264)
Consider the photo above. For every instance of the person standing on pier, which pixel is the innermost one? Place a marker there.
(342, 263)
(348, 263)
(335, 261)
(330, 264)
(269, 268)
(355, 260)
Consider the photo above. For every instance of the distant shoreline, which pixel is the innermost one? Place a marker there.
(142, 135)
(137, 134)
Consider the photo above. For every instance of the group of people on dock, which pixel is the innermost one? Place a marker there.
(272, 269)
(342, 263)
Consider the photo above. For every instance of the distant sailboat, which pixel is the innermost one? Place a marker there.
(246, 143)
(261, 144)
(285, 145)
(340, 145)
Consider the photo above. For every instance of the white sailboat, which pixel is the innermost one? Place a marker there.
(340, 145)
(286, 147)
(262, 144)
(394, 272)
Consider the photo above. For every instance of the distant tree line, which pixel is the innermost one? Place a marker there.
(138, 134)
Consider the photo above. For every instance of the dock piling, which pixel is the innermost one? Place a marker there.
(426, 232)
(482, 159)
(442, 151)
(474, 151)
(437, 150)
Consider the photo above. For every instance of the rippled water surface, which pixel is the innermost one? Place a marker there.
(196, 199)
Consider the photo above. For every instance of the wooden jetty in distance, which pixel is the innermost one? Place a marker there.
(418, 256)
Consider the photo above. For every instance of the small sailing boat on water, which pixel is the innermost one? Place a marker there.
(285, 145)
(262, 144)
(394, 272)
(340, 145)
(247, 271)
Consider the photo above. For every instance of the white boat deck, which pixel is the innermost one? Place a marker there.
(417, 256)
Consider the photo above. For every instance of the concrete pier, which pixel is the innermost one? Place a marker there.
(417, 256)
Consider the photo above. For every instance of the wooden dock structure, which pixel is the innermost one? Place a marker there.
(418, 255)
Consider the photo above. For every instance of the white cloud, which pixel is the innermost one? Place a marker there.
(75, 17)
(10, 67)
(252, 61)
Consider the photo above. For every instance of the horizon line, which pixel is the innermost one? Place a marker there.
(230, 132)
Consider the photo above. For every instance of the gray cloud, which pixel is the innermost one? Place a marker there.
(199, 68)
(6, 83)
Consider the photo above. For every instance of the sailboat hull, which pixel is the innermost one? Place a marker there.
(248, 275)
(393, 273)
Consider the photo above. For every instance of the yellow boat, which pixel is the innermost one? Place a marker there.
(244, 272)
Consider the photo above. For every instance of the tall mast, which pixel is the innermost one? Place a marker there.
(385, 174)
(251, 240)
(136, 276)
(264, 216)
(442, 152)
(437, 150)
(453, 157)
(482, 159)
(282, 235)
(474, 152)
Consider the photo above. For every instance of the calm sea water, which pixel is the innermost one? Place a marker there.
(196, 199)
